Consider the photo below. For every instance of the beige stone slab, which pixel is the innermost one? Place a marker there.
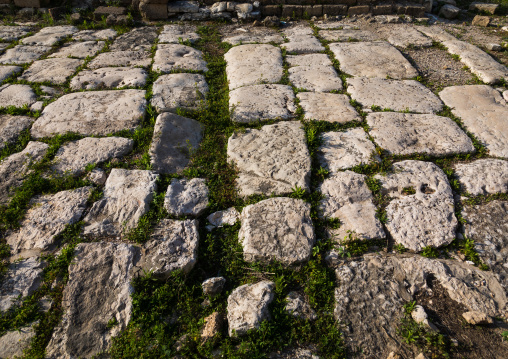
(16, 95)
(80, 50)
(308, 60)
(49, 36)
(169, 57)
(315, 78)
(254, 35)
(301, 41)
(121, 58)
(21, 54)
(436, 33)
(406, 36)
(328, 107)
(11, 33)
(174, 34)
(348, 35)
(55, 70)
(483, 177)
(94, 35)
(179, 91)
(11, 127)
(109, 77)
(8, 71)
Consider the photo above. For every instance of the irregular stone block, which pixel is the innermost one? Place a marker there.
(179, 91)
(229, 216)
(186, 197)
(308, 60)
(80, 50)
(20, 54)
(55, 70)
(315, 78)
(297, 306)
(482, 7)
(213, 286)
(49, 36)
(483, 176)
(109, 77)
(16, 95)
(301, 40)
(153, 11)
(183, 7)
(253, 35)
(121, 58)
(477, 318)
(169, 57)
(12, 33)
(436, 33)
(449, 11)
(14, 342)
(95, 35)
(137, 39)
(328, 107)
(348, 35)
(8, 71)
(481, 21)
(11, 127)
(405, 36)
(174, 34)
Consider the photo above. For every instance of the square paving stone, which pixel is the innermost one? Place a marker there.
(308, 60)
(92, 113)
(315, 78)
(8, 71)
(348, 35)
(271, 160)
(21, 54)
(483, 176)
(16, 95)
(405, 36)
(48, 36)
(94, 35)
(109, 77)
(11, 127)
(179, 91)
(11, 33)
(301, 41)
(80, 50)
(138, 39)
(121, 58)
(406, 133)
(372, 59)
(328, 107)
(262, 35)
(55, 70)
(186, 197)
(169, 57)
(173, 34)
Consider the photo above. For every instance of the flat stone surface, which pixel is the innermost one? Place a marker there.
(16, 95)
(11, 33)
(140, 38)
(301, 41)
(277, 229)
(106, 112)
(348, 35)
(14, 342)
(179, 91)
(248, 306)
(436, 33)
(121, 58)
(406, 133)
(186, 197)
(483, 176)
(347, 197)
(74, 156)
(394, 94)
(21, 54)
(425, 218)
(253, 64)
(308, 60)
(174, 139)
(8, 71)
(55, 71)
(253, 35)
(328, 107)
(47, 217)
(99, 290)
(273, 159)
(229, 216)
(405, 36)
(49, 36)
(261, 102)
(372, 59)
(315, 78)
(109, 77)
(174, 34)
(11, 127)
(80, 50)
(341, 150)
(483, 112)
(169, 57)
(94, 35)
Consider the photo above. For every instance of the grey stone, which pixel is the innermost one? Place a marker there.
(315, 78)
(298, 306)
(347, 35)
(11, 127)
(37, 106)
(179, 91)
(80, 50)
(94, 35)
(8, 71)
(186, 197)
(109, 77)
(328, 107)
(449, 11)
(277, 229)
(253, 35)
(436, 33)
(106, 112)
(273, 159)
(49, 36)
(137, 39)
(308, 60)
(483, 176)
(121, 58)
(477, 318)
(11, 33)
(174, 34)
(301, 41)
(213, 286)
(16, 95)
(405, 36)
(295, 353)
(183, 6)
(229, 216)
(21, 54)
(482, 7)
(494, 47)
(169, 57)
(175, 139)
(55, 70)
(14, 342)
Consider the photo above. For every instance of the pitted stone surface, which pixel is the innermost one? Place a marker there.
(341, 150)
(173, 34)
(121, 58)
(308, 60)
(394, 94)
(8, 71)
(436, 33)
(407, 133)
(253, 64)
(11, 33)
(301, 41)
(94, 35)
(483, 112)
(483, 176)
(254, 35)
(328, 107)
(174, 139)
(127, 197)
(80, 50)
(109, 77)
(47, 217)
(170, 57)
(23, 54)
(213, 286)
(248, 306)
(49, 36)
(14, 342)
(273, 159)
(11, 127)
(92, 113)
(261, 102)
(137, 39)
(186, 197)
(229, 216)
(425, 218)
(73, 157)
(315, 78)
(179, 91)
(298, 306)
(347, 197)
(55, 70)
(16, 95)
(405, 36)
(372, 59)
(348, 35)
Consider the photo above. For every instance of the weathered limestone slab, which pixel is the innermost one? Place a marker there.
(106, 112)
(94, 35)
(483, 112)
(229, 216)
(186, 197)
(308, 60)
(174, 34)
(16, 95)
(261, 102)
(127, 196)
(14, 342)
(169, 57)
(348, 35)
(98, 291)
(121, 58)
(436, 33)
(315, 78)
(341, 150)
(328, 107)
(48, 36)
(426, 217)
(255, 35)
(21, 54)
(405, 36)
(394, 94)
(55, 70)
(253, 64)
(372, 59)
(11, 127)
(46, 219)
(347, 197)
(174, 140)
(8, 71)
(80, 50)
(179, 91)
(406, 133)
(273, 159)
(109, 77)
(11, 33)
(301, 41)
(73, 157)
(483, 176)
(137, 39)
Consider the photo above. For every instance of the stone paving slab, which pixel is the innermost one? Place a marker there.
(16, 95)
(253, 35)
(348, 35)
(3, 47)
(179, 91)
(169, 57)
(483, 176)
(11, 127)
(174, 34)
(8, 71)
(21, 54)
(12, 33)
(436, 33)
(301, 41)
(106, 112)
(483, 112)
(121, 58)
(49, 36)
(315, 78)
(308, 60)
(14, 342)
(328, 107)
(109, 77)
(138, 39)
(405, 36)
(94, 35)
(55, 70)
(81, 50)
(186, 197)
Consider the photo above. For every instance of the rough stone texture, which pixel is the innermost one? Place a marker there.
(308, 60)
(406, 133)
(11, 127)
(173, 245)
(213, 326)
(420, 316)
(404, 36)
(273, 159)
(328, 107)
(248, 306)
(98, 290)
(261, 102)
(14, 342)
(127, 196)
(301, 41)
(46, 219)
(229, 216)
(341, 150)
(179, 91)
(97, 176)
(213, 286)
(477, 318)
(186, 197)
(11, 33)
(23, 54)
(8, 71)
(16, 95)
(173, 34)
(253, 35)
(394, 94)
(449, 11)
(483, 112)
(347, 35)
(298, 306)
(372, 59)
(483, 176)
(48, 36)
(277, 229)
(94, 35)
(347, 197)
(315, 78)
(295, 353)
(253, 64)
(436, 33)
(55, 70)
(170, 57)
(425, 218)
(109, 77)
(482, 7)
(174, 140)
(92, 113)
(481, 21)
(73, 157)
(121, 58)
(80, 50)
(140, 38)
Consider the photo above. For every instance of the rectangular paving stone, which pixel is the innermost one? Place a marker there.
(436, 33)
(179, 91)
(16, 95)
(109, 77)
(94, 35)
(21, 54)
(80, 50)
(11, 127)
(55, 70)
(308, 60)
(169, 57)
(121, 58)
(11, 33)
(405, 36)
(48, 36)
(315, 78)
(348, 35)
(328, 107)
(8, 71)
(261, 35)
(301, 41)
(483, 177)
(138, 39)
(174, 34)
